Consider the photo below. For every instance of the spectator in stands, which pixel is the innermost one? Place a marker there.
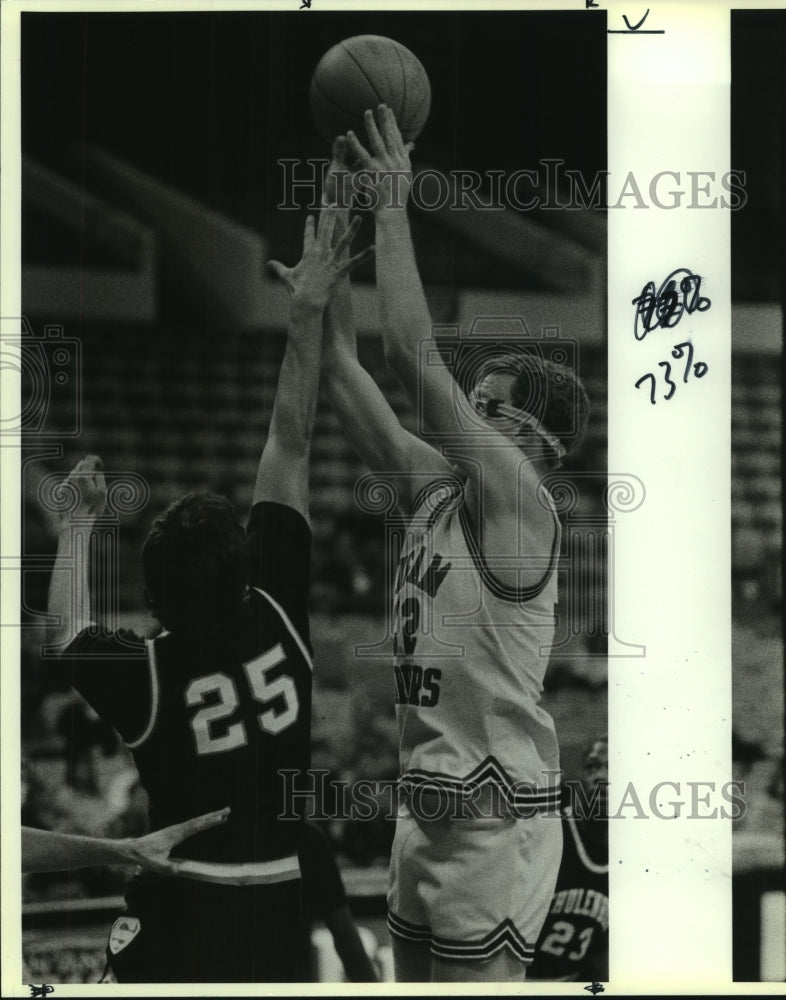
(96, 797)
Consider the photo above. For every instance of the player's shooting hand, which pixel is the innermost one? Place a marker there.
(152, 851)
(386, 168)
(337, 190)
(85, 488)
(322, 265)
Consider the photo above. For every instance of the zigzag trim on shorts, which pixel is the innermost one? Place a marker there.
(409, 932)
(518, 795)
(504, 935)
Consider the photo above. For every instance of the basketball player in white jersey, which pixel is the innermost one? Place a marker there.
(475, 859)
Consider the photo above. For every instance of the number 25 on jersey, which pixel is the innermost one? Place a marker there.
(212, 738)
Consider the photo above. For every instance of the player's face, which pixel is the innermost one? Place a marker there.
(491, 392)
(492, 398)
(595, 769)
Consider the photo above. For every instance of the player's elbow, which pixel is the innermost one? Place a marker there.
(293, 445)
(338, 358)
(59, 629)
(57, 638)
(401, 358)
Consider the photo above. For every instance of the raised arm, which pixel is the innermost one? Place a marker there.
(69, 587)
(367, 419)
(503, 482)
(282, 475)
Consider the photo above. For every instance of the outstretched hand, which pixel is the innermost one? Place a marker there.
(312, 280)
(337, 189)
(386, 168)
(86, 482)
(152, 851)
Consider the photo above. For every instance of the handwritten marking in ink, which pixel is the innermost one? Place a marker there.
(595, 988)
(40, 991)
(666, 307)
(696, 370)
(590, 3)
(635, 29)
(305, 5)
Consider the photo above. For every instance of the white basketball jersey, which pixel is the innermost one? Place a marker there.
(470, 655)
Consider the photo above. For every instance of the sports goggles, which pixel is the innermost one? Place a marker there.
(496, 409)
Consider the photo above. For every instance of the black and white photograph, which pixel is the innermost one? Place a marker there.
(758, 39)
(392, 497)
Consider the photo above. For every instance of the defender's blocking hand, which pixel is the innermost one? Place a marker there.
(337, 190)
(86, 481)
(322, 265)
(152, 851)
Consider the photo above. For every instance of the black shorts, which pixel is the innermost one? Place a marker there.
(185, 931)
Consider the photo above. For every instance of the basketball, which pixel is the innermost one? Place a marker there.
(363, 72)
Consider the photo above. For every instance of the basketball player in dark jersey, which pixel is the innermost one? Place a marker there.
(574, 942)
(217, 706)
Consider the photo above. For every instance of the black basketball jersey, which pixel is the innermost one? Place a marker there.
(573, 943)
(214, 722)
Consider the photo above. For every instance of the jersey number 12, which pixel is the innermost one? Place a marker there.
(263, 690)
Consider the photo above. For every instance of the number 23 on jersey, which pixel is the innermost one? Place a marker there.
(561, 937)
